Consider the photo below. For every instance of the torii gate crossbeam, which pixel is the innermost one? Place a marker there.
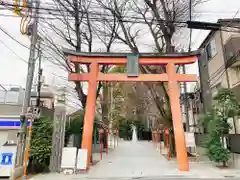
(173, 79)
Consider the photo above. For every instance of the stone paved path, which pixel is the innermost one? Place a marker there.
(134, 160)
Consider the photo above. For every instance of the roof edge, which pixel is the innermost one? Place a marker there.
(212, 32)
(100, 54)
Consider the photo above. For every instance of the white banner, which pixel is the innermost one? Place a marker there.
(190, 139)
(69, 158)
(7, 160)
(82, 159)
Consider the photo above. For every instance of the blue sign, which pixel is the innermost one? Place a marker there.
(11, 123)
(6, 158)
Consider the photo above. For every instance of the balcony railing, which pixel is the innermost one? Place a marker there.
(232, 52)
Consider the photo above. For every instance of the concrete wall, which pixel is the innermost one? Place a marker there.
(234, 77)
(232, 47)
(235, 161)
(47, 102)
(216, 66)
(8, 109)
(59, 123)
(217, 62)
(213, 74)
(4, 136)
(227, 35)
(15, 110)
(204, 77)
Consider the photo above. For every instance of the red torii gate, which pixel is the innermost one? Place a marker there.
(173, 78)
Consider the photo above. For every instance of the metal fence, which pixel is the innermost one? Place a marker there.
(200, 139)
(233, 143)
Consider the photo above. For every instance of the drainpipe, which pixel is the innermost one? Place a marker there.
(5, 94)
(227, 75)
(224, 58)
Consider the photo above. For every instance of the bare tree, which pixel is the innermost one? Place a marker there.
(163, 18)
(73, 26)
(79, 23)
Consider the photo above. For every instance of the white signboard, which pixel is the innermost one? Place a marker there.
(190, 139)
(69, 158)
(82, 159)
(7, 160)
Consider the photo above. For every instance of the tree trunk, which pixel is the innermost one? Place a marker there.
(105, 104)
(224, 164)
(172, 144)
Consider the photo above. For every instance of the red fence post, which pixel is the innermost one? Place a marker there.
(101, 135)
(117, 136)
(160, 141)
(107, 132)
(166, 133)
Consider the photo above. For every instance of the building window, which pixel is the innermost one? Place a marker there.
(33, 102)
(211, 49)
(42, 104)
(216, 88)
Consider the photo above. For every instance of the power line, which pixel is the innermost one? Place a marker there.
(9, 35)
(3, 30)
(134, 18)
(212, 77)
(23, 45)
(98, 18)
(223, 66)
(89, 13)
(25, 61)
(13, 52)
(15, 39)
(190, 19)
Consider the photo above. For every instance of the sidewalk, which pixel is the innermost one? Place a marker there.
(141, 159)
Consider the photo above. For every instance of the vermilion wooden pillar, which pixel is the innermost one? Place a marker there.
(90, 111)
(96, 59)
(174, 95)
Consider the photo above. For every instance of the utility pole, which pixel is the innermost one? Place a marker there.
(32, 59)
(18, 170)
(185, 96)
(33, 115)
(40, 70)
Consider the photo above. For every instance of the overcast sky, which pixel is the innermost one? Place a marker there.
(13, 67)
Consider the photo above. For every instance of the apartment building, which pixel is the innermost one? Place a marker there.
(11, 103)
(219, 67)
